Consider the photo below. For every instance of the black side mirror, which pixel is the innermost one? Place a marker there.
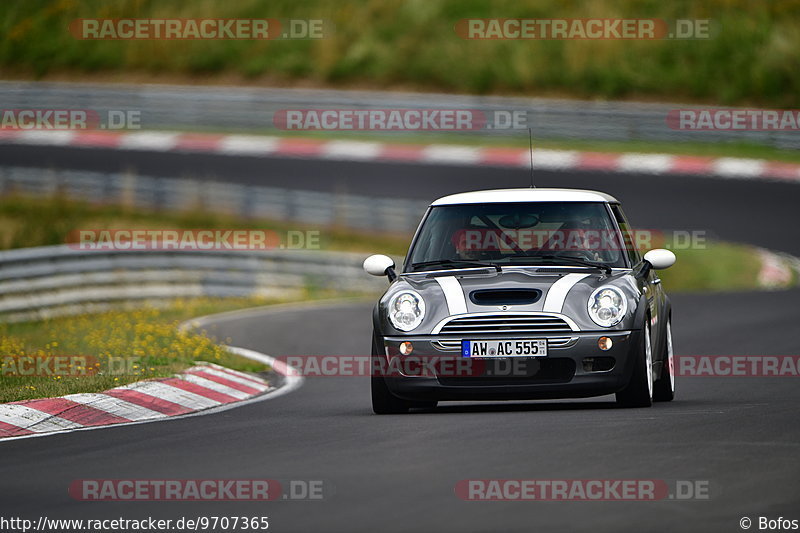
(642, 269)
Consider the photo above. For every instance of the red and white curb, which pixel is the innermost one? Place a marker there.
(255, 145)
(202, 389)
(777, 269)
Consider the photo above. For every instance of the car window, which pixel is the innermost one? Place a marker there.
(627, 234)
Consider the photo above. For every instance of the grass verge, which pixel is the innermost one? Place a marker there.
(721, 266)
(31, 221)
(96, 352)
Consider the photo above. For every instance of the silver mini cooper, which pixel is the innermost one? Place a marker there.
(519, 294)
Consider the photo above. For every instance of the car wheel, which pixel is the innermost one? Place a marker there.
(383, 401)
(664, 388)
(639, 392)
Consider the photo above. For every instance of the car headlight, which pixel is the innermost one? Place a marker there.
(607, 306)
(406, 310)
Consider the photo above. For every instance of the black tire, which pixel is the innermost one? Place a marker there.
(664, 387)
(639, 391)
(383, 401)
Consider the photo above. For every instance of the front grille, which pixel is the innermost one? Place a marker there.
(454, 345)
(504, 324)
(555, 329)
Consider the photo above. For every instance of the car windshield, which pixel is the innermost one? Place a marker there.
(534, 233)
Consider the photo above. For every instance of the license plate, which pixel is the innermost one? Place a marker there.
(505, 348)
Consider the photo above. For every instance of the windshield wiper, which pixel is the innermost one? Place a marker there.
(572, 261)
(456, 263)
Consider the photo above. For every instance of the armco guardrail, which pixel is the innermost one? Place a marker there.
(388, 215)
(236, 108)
(37, 283)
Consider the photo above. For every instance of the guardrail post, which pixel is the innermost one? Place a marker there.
(127, 197)
(247, 195)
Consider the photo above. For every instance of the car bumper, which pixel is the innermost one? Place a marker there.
(580, 369)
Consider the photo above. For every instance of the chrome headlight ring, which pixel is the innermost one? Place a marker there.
(406, 310)
(607, 306)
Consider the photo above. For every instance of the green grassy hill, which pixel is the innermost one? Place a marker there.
(752, 59)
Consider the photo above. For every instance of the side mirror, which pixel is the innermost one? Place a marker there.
(380, 265)
(660, 258)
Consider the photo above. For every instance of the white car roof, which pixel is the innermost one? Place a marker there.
(524, 195)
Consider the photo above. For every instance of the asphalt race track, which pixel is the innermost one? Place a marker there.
(398, 473)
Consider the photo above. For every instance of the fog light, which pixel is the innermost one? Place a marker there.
(406, 348)
(604, 343)
(598, 364)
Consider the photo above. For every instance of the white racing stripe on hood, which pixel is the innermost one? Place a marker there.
(554, 301)
(454, 294)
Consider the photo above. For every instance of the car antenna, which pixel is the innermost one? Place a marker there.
(530, 138)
